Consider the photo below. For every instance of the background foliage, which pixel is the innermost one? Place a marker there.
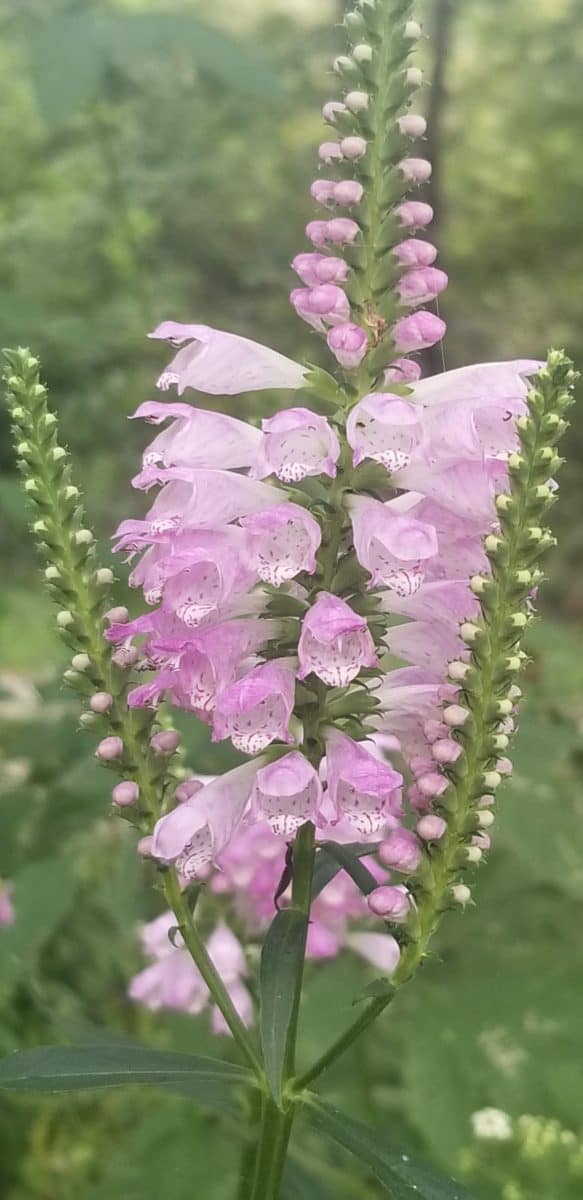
(157, 166)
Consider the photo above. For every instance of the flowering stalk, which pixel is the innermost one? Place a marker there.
(284, 569)
(82, 590)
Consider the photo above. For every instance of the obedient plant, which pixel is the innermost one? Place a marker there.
(340, 593)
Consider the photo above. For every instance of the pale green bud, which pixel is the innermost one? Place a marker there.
(81, 662)
(51, 573)
(65, 619)
(83, 537)
(461, 893)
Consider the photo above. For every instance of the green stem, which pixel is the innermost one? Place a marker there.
(274, 1138)
(205, 965)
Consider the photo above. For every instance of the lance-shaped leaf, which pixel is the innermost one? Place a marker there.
(402, 1175)
(281, 966)
(117, 1064)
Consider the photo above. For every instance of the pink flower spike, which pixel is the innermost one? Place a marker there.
(349, 344)
(391, 903)
(213, 657)
(330, 152)
(282, 541)
(297, 443)
(223, 364)
(353, 147)
(420, 287)
(335, 642)
(403, 370)
(379, 949)
(416, 170)
(385, 428)
(414, 252)
(362, 789)
(342, 231)
(414, 214)
(418, 332)
(401, 851)
(393, 548)
(255, 711)
(287, 793)
(195, 833)
(314, 269)
(347, 192)
(321, 306)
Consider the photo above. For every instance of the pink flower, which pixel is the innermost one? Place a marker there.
(321, 306)
(335, 642)
(322, 191)
(297, 443)
(223, 364)
(393, 548)
(353, 147)
(448, 601)
(414, 214)
(349, 344)
(385, 428)
(256, 710)
(314, 269)
(412, 125)
(361, 788)
(287, 793)
(391, 903)
(428, 644)
(194, 834)
(401, 851)
(348, 192)
(7, 914)
(330, 152)
(197, 438)
(418, 331)
(282, 542)
(207, 578)
(419, 287)
(379, 949)
(341, 231)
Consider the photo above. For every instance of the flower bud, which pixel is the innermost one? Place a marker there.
(412, 125)
(491, 780)
(52, 573)
(486, 818)
(104, 576)
(125, 657)
(461, 894)
(165, 742)
(144, 847)
(414, 214)
(330, 110)
(117, 616)
(65, 619)
(109, 749)
(330, 152)
(416, 170)
(412, 31)
(187, 789)
(57, 453)
(344, 65)
(414, 77)
(446, 751)
(362, 53)
(83, 537)
(431, 828)
(391, 903)
(473, 854)
(101, 703)
(455, 716)
(125, 794)
(432, 784)
(31, 486)
(71, 492)
(458, 671)
(348, 192)
(418, 332)
(357, 101)
(349, 344)
(402, 851)
(353, 147)
(81, 662)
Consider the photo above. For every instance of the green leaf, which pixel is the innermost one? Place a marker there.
(43, 892)
(109, 1065)
(69, 55)
(403, 1176)
(327, 867)
(350, 863)
(281, 963)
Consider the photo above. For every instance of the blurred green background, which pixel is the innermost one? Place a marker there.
(154, 162)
